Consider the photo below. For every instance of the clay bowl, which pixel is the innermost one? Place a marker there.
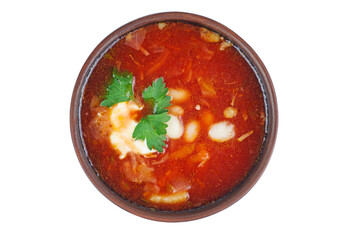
(271, 120)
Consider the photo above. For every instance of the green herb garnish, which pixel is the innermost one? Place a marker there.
(152, 127)
(156, 95)
(120, 89)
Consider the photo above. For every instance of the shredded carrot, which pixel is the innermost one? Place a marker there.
(201, 156)
(132, 58)
(159, 61)
(172, 47)
(144, 51)
(244, 136)
(188, 71)
(233, 98)
(183, 152)
(204, 102)
(202, 163)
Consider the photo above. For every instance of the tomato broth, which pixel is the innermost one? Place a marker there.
(214, 91)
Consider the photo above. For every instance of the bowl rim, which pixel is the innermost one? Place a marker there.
(271, 124)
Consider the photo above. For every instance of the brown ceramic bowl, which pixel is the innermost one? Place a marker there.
(270, 130)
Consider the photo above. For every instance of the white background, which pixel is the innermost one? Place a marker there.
(311, 188)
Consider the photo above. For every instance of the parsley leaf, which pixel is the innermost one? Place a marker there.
(152, 128)
(156, 95)
(120, 89)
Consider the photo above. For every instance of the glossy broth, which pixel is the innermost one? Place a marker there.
(221, 87)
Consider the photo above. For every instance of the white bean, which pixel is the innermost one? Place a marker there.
(222, 131)
(176, 110)
(191, 131)
(178, 95)
(230, 112)
(175, 128)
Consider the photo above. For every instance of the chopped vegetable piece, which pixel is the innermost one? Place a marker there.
(205, 54)
(183, 152)
(159, 62)
(224, 45)
(144, 51)
(209, 36)
(136, 38)
(172, 198)
(132, 58)
(262, 117)
(161, 25)
(244, 136)
(245, 116)
(138, 171)
(188, 71)
(207, 87)
(201, 156)
(233, 97)
(179, 184)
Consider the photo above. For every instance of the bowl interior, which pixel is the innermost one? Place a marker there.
(270, 125)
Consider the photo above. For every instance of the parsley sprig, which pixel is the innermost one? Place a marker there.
(152, 127)
(156, 96)
(120, 89)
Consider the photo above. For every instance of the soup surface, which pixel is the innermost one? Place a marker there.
(217, 117)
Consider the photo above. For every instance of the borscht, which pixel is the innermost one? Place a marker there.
(172, 116)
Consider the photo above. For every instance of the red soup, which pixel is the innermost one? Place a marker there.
(215, 121)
